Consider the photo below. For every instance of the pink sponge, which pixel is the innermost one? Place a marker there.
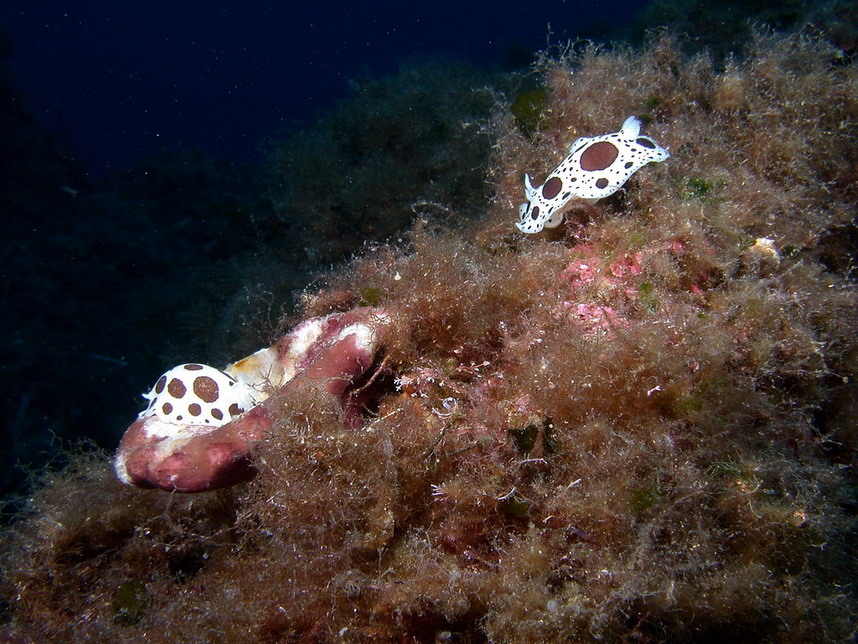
(198, 429)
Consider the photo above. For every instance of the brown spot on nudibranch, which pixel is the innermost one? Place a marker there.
(176, 388)
(206, 388)
(599, 156)
(552, 188)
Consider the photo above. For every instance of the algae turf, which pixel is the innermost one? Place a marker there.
(639, 426)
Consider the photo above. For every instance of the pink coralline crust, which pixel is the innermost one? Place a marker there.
(617, 281)
(330, 352)
(579, 272)
(630, 264)
(596, 318)
(588, 269)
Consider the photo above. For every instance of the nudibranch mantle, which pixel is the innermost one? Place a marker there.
(197, 394)
(596, 167)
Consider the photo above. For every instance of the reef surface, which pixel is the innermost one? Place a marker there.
(638, 426)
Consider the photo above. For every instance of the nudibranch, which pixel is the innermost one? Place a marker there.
(596, 168)
(198, 394)
(201, 423)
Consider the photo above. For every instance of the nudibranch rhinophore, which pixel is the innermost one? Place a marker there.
(201, 423)
(596, 167)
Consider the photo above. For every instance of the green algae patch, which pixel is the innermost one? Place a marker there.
(644, 498)
(528, 108)
(701, 189)
(130, 602)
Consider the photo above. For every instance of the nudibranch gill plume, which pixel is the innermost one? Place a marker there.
(596, 168)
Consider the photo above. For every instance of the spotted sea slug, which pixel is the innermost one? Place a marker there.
(596, 168)
(201, 423)
(198, 394)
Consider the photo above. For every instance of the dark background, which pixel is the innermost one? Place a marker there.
(117, 81)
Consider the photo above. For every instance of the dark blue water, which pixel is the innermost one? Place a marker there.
(118, 81)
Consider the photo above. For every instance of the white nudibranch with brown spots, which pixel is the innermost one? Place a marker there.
(201, 424)
(596, 168)
(197, 394)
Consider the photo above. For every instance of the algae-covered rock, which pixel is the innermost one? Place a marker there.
(631, 427)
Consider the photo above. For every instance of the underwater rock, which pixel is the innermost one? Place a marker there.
(201, 423)
(639, 429)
